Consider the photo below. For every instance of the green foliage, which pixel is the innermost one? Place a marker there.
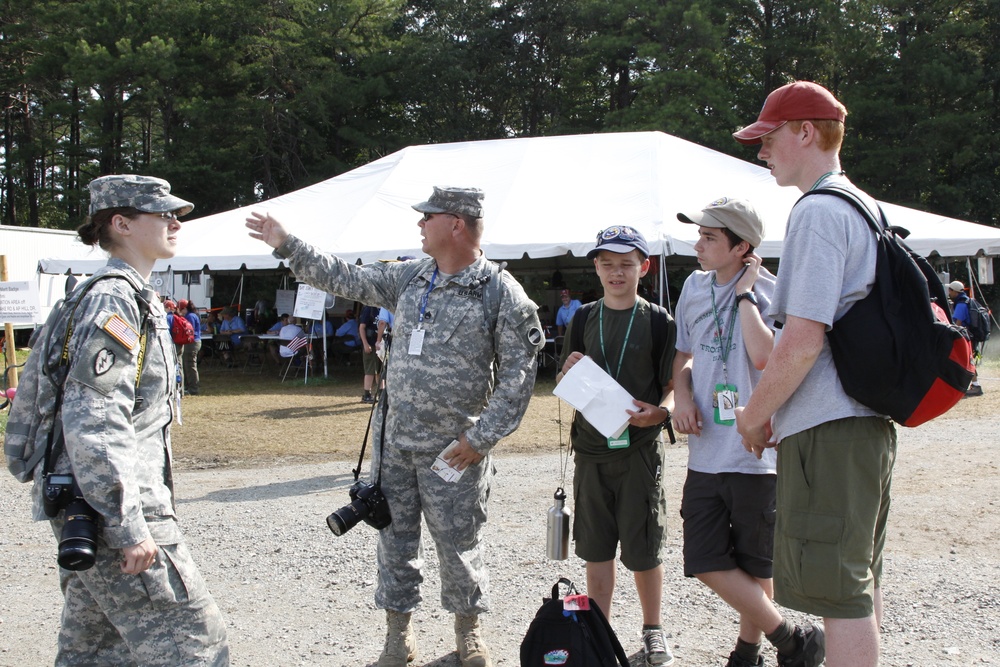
(238, 100)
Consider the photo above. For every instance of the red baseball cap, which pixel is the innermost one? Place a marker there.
(801, 100)
(182, 304)
(169, 304)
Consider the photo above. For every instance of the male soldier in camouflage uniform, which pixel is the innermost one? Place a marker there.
(143, 601)
(440, 390)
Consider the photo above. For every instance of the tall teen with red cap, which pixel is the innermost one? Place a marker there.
(836, 456)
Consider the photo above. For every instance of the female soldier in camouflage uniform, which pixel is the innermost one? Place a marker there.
(143, 601)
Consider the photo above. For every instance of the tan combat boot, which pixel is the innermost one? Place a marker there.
(472, 650)
(400, 643)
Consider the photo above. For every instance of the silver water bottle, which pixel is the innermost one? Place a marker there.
(557, 535)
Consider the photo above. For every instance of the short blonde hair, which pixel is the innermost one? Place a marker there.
(831, 132)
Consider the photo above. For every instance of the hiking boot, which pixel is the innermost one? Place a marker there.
(811, 643)
(975, 390)
(654, 647)
(472, 651)
(736, 661)
(400, 644)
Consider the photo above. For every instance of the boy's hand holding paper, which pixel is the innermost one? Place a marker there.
(589, 389)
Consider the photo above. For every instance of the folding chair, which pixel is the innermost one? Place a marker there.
(297, 349)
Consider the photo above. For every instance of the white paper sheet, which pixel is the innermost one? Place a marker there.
(598, 396)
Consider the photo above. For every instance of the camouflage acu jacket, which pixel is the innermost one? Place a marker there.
(449, 388)
(115, 422)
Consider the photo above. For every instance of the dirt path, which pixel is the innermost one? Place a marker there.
(260, 473)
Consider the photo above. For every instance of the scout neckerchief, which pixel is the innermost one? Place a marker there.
(725, 396)
(622, 441)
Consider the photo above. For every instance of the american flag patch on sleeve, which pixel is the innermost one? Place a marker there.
(121, 331)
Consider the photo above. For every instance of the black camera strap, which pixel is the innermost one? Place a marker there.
(381, 398)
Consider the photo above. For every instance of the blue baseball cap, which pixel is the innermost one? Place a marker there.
(621, 239)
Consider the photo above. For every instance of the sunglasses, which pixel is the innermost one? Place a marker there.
(620, 233)
(169, 215)
(428, 216)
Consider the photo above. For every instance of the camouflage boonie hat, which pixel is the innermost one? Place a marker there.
(146, 193)
(460, 201)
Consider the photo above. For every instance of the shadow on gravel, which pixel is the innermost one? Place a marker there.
(276, 490)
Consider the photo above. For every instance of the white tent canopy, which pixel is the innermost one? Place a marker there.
(545, 197)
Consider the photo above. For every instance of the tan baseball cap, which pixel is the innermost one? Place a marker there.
(737, 215)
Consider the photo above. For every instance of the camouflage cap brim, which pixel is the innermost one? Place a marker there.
(146, 193)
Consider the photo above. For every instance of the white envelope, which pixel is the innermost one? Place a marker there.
(598, 396)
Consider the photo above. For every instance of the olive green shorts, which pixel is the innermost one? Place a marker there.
(371, 362)
(622, 500)
(832, 505)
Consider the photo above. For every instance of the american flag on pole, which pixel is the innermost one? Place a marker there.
(297, 343)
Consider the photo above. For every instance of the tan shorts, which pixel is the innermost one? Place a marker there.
(832, 506)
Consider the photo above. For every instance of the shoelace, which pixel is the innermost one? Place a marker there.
(653, 639)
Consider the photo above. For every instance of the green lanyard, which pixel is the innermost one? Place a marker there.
(820, 179)
(718, 330)
(628, 332)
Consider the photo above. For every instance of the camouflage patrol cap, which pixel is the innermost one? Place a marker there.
(146, 193)
(460, 201)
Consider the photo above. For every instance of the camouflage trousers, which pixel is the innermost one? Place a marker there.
(163, 616)
(455, 514)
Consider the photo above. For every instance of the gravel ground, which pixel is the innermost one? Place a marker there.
(293, 594)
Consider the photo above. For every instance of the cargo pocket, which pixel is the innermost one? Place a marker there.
(766, 536)
(174, 579)
(816, 548)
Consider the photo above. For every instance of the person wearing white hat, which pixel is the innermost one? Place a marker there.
(960, 314)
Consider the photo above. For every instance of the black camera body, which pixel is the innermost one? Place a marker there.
(367, 504)
(78, 540)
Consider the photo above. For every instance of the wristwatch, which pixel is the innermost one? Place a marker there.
(749, 296)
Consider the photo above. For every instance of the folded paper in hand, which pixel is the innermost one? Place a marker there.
(598, 396)
(441, 467)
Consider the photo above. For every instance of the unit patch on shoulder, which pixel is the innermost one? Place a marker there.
(121, 331)
(103, 361)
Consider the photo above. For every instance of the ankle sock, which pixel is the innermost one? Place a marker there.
(651, 627)
(747, 651)
(783, 638)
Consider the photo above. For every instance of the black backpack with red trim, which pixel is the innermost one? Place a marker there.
(892, 353)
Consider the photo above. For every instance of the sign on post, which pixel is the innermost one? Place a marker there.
(19, 303)
(310, 303)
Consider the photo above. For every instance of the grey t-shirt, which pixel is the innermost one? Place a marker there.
(719, 448)
(827, 264)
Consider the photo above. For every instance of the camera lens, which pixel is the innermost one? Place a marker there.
(347, 517)
(78, 541)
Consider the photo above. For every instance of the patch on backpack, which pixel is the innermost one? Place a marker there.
(121, 331)
(557, 657)
(103, 361)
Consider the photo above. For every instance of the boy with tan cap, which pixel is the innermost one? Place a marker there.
(728, 506)
(836, 455)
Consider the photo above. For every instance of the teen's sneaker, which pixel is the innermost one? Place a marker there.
(975, 390)
(736, 661)
(654, 646)
(367, 397)
(811, 643)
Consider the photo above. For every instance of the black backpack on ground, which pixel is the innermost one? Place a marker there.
(891, 352)
(571, 638)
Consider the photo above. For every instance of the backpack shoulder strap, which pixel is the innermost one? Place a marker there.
(659, 320)
(579, 322)
(848, 195)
